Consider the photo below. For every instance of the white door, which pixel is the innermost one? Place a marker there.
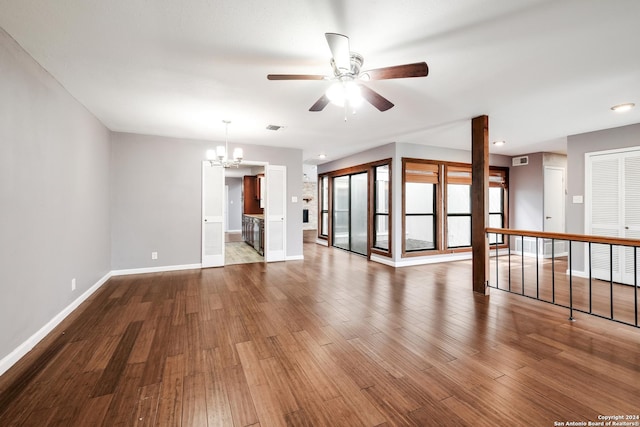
(226, 211)
(553, 200)
(631, 214)
(275, 213)
(613, 209)
(213, 214)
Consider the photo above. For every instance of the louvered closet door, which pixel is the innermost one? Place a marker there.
(614, 211)
(631, 224)
(605, 213)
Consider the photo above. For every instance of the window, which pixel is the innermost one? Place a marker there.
(420, 195)
(458, 206)
(381, 207)
(437, 206)
(497, 202)
(324, 206)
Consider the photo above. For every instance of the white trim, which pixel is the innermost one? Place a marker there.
(155, 269)
(294, 258)
(233, 231)
(322, 242)
(381, 259)
(432, 259)
(577, 273)
(19, 352)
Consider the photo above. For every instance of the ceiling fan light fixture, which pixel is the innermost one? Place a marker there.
(341, 92)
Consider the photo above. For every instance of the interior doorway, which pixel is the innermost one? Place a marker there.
(245, 204)
(230, 233)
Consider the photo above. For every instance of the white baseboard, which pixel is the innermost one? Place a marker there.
(155, 269)
(294, 258)
(9, 360)
(322, 242)
(408, 262)
(233, 231)
(577, 273)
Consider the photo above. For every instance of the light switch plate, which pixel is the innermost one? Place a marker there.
(577, 199)
(294, 199)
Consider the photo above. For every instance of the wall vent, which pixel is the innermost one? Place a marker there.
(520, 161)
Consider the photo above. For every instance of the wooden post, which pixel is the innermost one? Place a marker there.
(480, 202)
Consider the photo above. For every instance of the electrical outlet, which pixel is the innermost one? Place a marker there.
(154, 255)
(73, 284)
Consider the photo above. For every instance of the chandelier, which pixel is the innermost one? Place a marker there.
(220, 156)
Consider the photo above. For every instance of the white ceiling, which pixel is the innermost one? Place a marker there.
(541, 70)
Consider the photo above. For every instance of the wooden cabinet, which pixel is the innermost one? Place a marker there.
(251, 195)
(253, 232)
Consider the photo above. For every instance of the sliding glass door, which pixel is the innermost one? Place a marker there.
(341, 212)
(350, 228)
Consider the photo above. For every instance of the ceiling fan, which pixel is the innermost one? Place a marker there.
(348, 87)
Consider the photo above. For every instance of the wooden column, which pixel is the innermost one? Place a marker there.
(480, 202)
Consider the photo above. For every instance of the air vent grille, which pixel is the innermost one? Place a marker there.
(520, 161)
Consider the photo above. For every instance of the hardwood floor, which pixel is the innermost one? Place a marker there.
(332, 340)
(536, 281)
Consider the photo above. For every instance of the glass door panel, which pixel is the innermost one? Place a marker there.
(358, 229)
(341, 212)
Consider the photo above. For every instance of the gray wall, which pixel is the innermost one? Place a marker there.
(526, 193)
(54, 186)
(234, 203)
(378, 153)
(156, 198)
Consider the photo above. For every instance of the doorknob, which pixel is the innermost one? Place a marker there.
(547, 217)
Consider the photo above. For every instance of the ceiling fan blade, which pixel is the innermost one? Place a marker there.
(320, 104)
(339, 46)
(375, 99)
(419, 69)
(295, 77)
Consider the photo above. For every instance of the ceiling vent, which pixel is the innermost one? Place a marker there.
(520, 161)
(273, 127)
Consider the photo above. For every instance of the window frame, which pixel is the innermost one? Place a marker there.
(498, 177)
(430, 174)
(376, 214)
(323, 183)
(370, 169)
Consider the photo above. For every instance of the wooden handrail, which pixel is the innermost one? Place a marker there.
(566, 236)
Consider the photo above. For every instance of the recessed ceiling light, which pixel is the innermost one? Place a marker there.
(499, 143)
(322, 156)
(623, 107)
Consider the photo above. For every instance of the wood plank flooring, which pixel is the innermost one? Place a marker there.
(534, 279)
(333, 340)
